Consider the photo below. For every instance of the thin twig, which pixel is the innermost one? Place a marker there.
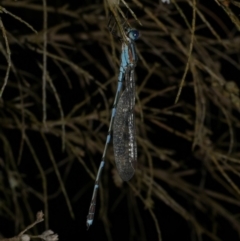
(7, 55)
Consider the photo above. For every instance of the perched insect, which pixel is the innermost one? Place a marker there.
(122, 121)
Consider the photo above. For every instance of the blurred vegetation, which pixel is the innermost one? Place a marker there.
(56, 105)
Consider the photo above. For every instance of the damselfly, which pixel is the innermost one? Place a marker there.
(122, 120)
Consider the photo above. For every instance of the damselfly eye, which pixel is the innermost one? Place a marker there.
(133, 34)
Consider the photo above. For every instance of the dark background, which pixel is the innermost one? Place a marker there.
(187, 175)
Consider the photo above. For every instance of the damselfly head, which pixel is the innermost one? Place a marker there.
(133, 34)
